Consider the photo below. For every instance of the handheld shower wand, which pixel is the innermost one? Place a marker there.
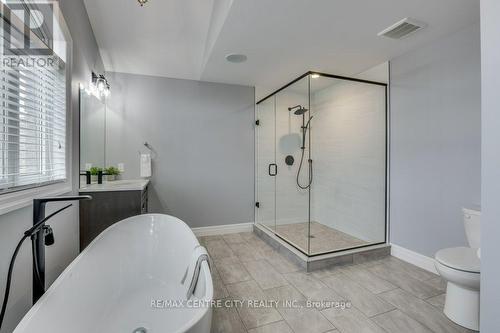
(301, 111)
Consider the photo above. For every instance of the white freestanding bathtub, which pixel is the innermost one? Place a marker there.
(124, 280)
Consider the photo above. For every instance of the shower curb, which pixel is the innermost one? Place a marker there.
(347, 257)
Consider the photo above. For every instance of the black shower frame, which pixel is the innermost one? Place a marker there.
(386, 215)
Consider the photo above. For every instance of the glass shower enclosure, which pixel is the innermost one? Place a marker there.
(321, 163)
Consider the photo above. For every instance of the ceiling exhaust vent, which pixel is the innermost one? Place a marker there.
(402, 29)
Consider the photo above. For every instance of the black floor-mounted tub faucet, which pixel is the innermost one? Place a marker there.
(44, 236)
(41, 235)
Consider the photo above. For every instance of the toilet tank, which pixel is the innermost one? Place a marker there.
(472, 226)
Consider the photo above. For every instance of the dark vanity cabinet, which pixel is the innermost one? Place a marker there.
(107, 208)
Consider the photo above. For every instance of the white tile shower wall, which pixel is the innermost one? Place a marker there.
(348, 150)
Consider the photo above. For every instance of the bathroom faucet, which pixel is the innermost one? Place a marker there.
(42, 235)
(88, 176)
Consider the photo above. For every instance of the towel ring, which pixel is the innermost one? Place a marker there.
(150, 148)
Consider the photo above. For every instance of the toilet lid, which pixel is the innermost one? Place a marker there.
(460, 258)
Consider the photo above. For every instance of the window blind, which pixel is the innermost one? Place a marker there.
(32, 125)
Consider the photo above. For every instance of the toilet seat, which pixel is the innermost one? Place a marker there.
(460, 258)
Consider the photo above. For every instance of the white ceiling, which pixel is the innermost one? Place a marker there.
(163, 38)
(189, 39)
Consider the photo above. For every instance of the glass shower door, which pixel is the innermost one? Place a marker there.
(321, 163)
(265, 167)
(292, 159)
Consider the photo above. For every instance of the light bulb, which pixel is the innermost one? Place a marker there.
(101, 85)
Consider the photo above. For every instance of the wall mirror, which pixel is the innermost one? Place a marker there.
(92, 131)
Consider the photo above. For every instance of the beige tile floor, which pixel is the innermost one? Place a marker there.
(387, 295)
(324, 239)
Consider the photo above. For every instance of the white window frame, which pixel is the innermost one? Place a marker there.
(11, 201)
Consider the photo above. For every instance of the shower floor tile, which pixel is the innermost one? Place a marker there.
(323, 238)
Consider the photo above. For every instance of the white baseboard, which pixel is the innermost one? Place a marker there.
(413, 258)
(223, 229)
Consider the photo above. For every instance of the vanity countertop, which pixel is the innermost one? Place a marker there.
(117, 185)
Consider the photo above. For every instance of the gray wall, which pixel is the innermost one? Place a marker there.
(202, 133)
(12, 225)
(435, 141)
(490, 222)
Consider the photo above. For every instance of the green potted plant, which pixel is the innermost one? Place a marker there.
(94, 171)
(111, 173)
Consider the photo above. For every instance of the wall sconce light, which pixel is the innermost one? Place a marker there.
(142, 2)
(99, 85)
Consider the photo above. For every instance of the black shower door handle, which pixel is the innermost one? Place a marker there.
(271, 171)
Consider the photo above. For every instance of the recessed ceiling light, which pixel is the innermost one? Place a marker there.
(315, 75)
(236, 58)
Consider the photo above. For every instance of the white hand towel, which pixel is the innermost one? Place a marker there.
(145, 165)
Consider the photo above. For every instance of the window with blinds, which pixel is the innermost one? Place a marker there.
(32, 125)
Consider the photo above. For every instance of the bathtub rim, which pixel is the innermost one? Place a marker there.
(209, 290)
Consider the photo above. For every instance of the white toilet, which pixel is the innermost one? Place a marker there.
(460, 267)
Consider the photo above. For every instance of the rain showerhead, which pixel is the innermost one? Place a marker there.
(300, 110)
